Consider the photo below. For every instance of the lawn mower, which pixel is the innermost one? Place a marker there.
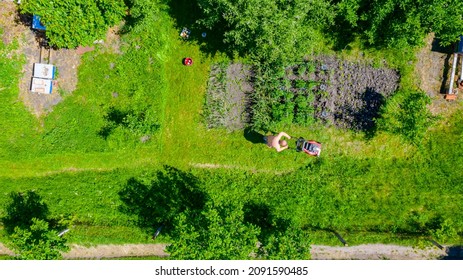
(310, 147)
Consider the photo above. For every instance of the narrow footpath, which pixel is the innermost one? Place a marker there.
(319, 252)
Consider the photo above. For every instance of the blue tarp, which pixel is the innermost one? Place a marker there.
(36, 24)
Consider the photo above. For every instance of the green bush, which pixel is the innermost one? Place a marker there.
(71, 23)
(406, 114)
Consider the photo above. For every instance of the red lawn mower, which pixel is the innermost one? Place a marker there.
(310, 147)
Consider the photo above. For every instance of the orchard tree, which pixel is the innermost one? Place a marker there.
(293, 243)
(70, 23)
(38, 242)
(216, 233)
(402, 22)
(223, 232)
(27, 225)
(22, 208)
(406, 114)
(277, 32)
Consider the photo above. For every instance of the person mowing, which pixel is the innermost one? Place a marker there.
(275, 141)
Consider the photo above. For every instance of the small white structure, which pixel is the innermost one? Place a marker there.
(451, 95)
(44, 71)
(42, 78)
(40, 85)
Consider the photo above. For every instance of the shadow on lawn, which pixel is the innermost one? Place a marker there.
(186, 14)
(253, 136)
(22, 208)
(159, 201)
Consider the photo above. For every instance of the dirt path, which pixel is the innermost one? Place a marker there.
(319, 252)
(432, 70)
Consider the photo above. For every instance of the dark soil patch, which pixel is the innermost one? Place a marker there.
(350, 94)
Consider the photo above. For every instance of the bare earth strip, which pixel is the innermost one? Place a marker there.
(319, 252)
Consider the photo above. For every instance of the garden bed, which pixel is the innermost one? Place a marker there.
(350, 94)
(227, 98)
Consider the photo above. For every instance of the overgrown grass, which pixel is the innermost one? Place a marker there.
(18, 125)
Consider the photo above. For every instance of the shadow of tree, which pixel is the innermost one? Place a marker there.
(280, 238)
(136, 121)
(159, 201)
(186, 14)
(113, 118)
(261, 215)
(362, 115)
(253, 136)
(22, 208)
(454, 253)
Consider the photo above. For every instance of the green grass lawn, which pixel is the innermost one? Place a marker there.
(79, 156)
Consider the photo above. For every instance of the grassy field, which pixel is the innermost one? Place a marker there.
(80, 155)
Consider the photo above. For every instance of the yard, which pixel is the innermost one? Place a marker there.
(138, 108)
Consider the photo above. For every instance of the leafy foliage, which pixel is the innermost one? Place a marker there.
(27, 225)
(291, 244)
(216, 233)
(38, 242)
(406, 114)
(403, 23)
(274, 32)
(280, 238)
(22, 209)
(158, 202)
(71, 23)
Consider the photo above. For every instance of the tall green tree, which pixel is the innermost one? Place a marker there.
(30, 235)
(71, 23)
(38, 242)
(22, 208)
(216, 233)
(292, 243)
(406, 114)
(403, 22)
(274, 31)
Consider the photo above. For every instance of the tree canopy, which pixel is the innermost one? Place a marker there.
(403, 22)
(71, 23)
(22, 209)
(274, 31)
(30, 235)
(216, 233)
(286, 30)
(38, 242)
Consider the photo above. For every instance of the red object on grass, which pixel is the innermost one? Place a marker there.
(187, 61)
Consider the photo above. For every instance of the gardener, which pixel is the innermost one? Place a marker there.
(276, 142)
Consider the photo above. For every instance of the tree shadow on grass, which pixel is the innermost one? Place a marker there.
(113, 118)
(22, 208)
(253, 136)
(159, 201)
(186, 14)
